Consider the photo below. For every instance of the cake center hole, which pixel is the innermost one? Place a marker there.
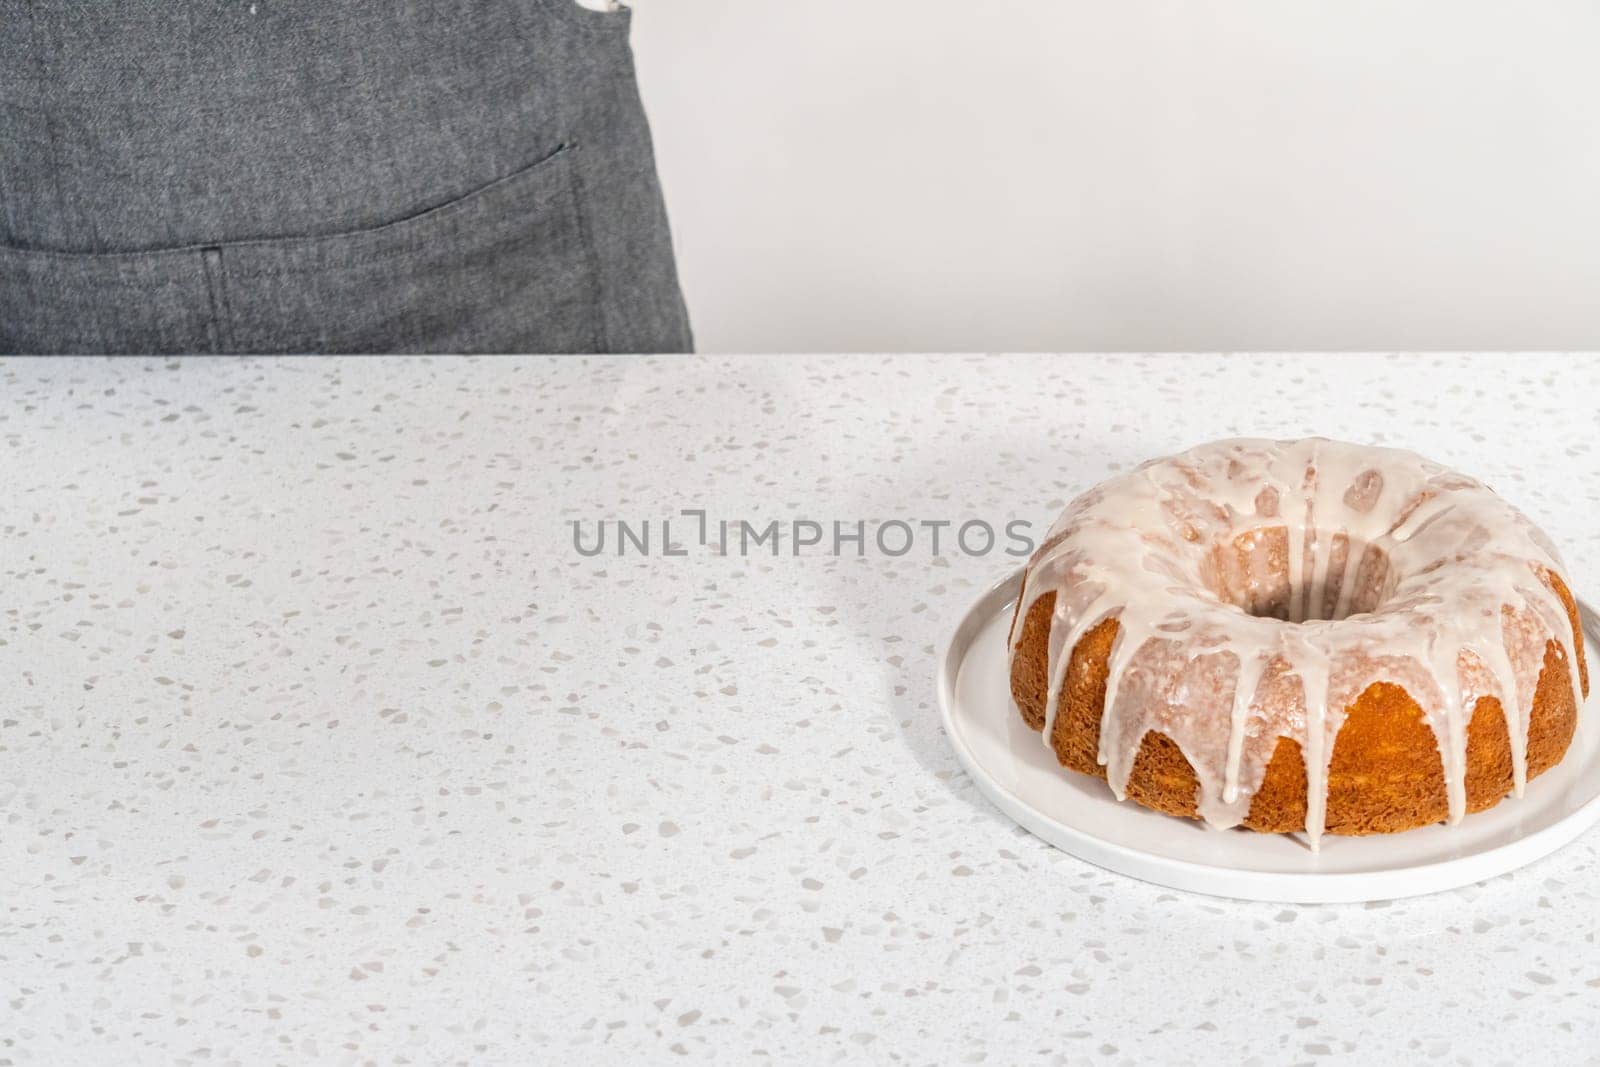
(1336, 578)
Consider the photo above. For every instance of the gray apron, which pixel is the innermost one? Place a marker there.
(308, 176)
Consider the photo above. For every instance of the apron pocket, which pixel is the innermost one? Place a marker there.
(509, 267)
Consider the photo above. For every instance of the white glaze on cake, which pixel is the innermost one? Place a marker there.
(1398, 570)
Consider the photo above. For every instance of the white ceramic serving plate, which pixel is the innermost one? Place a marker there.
(1078, 814)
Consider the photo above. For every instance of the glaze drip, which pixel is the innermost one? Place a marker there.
(1261, 586)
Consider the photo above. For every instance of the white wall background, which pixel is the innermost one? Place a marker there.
(1100, 174)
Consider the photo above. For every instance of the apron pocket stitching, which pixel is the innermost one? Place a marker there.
(333, 239)
(217, 294)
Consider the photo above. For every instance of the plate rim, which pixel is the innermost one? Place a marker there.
(1232, 882)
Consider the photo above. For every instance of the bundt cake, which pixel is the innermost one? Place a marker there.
(1299, 635)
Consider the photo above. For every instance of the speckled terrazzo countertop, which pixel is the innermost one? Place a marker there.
(321, 743)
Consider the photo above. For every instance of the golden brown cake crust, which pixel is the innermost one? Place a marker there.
(1386, 773)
